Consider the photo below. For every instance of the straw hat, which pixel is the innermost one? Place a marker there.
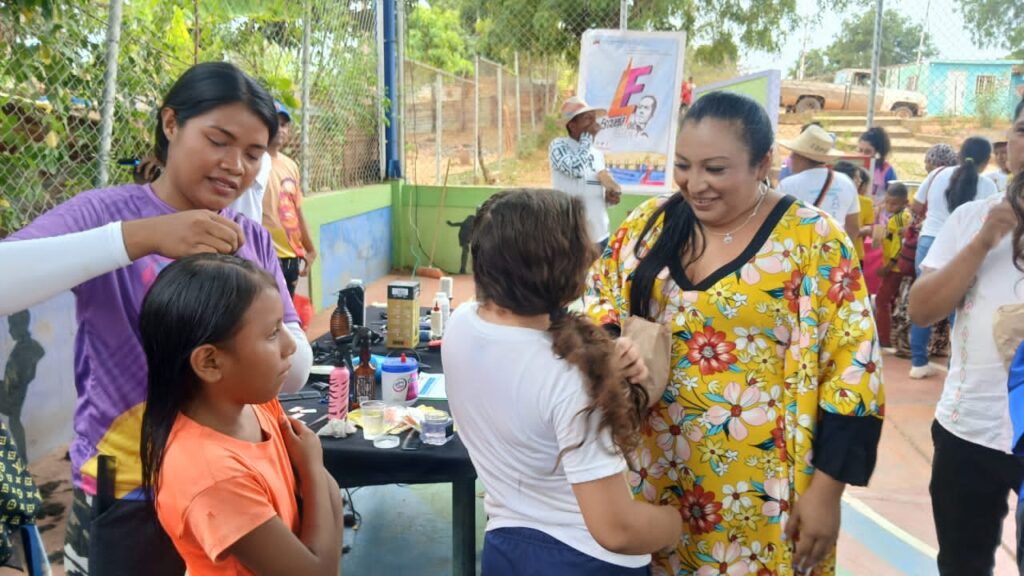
(815, 144)
(574, 106)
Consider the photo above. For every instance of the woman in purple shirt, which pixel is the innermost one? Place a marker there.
(107, 246)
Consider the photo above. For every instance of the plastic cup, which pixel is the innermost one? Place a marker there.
(435, 428)
(372, 419)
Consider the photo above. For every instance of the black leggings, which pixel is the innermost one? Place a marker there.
(970, 489)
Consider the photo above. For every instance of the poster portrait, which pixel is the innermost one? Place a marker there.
(636, 77)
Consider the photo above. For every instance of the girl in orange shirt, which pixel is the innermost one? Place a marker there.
(217, 450)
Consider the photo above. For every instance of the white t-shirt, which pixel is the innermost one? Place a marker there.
(574, 169)
(933, 192)
(841, 199)
(1002, 180)
(250, 202)
(974, 403)
(516, 404)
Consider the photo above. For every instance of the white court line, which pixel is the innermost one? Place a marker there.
(884, 523)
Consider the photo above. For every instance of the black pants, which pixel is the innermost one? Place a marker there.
(290, 269)
(970, 489)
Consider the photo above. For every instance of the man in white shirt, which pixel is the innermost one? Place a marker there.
(578, 168)
(251, 202)
(814, 182)
(1002, 174)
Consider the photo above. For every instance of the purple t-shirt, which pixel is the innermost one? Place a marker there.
(110, 365)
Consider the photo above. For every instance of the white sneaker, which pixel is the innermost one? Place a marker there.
(921, 372)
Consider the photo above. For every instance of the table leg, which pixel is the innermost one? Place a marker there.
(464, 527)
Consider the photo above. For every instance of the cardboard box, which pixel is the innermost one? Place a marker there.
(403, 314)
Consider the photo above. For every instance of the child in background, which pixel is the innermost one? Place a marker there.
(896, 201)
(213, 331)
(544, 403)
(862, 181)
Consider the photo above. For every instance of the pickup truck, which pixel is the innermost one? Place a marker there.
(850, 91)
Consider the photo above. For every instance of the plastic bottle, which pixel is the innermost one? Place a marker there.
(436, 322)
(337, 394)
(446, 308)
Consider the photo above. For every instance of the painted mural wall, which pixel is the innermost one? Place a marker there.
(356, 247)
(37, 384)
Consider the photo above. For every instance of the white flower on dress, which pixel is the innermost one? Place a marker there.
(640, 480)
(749, 339)
(735, 498)
(777, 489)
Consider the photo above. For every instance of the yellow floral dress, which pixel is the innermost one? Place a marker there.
(773, 356)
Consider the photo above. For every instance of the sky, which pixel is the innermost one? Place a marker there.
(945, 26)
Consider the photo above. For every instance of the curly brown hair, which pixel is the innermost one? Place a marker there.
(531, 252)
(1015, 194)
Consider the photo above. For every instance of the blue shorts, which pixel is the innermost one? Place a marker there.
(529, 552)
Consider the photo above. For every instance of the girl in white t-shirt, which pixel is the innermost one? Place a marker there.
(544, 403)
(971, 269)
(942, 192)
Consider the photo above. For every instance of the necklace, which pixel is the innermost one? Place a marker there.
(727, 236)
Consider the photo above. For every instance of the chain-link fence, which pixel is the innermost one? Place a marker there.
(53, 71)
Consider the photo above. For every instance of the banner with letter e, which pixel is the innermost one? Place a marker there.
(636, 77)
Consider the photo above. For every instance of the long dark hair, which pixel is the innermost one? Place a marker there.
(531, 252)
(681, 229)
(1016, 196)
(210, 85)
(196, 300)
(879, 140)
(963, 184)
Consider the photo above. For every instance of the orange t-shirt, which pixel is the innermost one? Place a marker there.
(215, 489)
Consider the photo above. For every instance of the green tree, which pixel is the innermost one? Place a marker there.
(852, 46)
(716, 32)
(996, 23)
(815, 65)
(437, 38)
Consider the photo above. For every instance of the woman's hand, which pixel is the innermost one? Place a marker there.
(813, 526)
(304, 449)
(1000, 221)
(633, 367)
(182, 234)
(308, 258)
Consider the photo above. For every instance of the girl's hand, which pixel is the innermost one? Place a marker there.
(182, 234)
(304, 449)
(813, 526)
(633, 367)
(1000, 221)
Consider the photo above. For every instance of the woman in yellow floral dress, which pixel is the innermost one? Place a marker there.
(775, 400)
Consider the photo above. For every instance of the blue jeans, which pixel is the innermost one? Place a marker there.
(529, 552)
(920, 336)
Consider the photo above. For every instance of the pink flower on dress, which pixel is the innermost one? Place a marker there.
(865, 361)
(767, 259)
(641, 479)
(672, 434)
(745, 407)
(728, 561)
(777, 489)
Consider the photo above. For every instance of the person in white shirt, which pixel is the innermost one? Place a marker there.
(250, 203)
(941, 193)
(815, 182)
(1001, 176)
(546, 403)
(970, 269)
(578, 168)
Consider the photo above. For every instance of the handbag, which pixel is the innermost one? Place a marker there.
(19, 498)
(654, 342)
